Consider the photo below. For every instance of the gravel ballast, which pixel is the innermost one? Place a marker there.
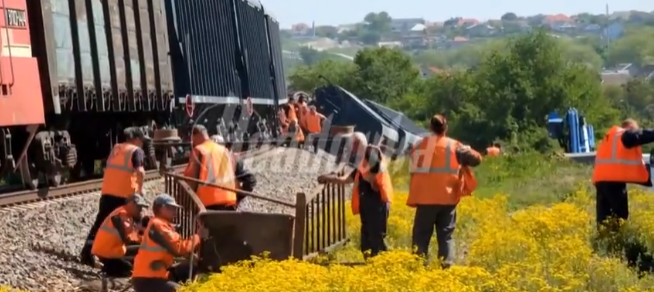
(41, 242)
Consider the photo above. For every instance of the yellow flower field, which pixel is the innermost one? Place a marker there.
(541, 236)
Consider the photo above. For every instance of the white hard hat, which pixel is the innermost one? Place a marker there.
(218, 139)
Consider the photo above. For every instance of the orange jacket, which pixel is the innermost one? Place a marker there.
(616, 163)
(381, 181)
(493, 151)
(303, 111)
(108, 243)
(437, 178)
(120, 177)
(154, 259)
(216, 167)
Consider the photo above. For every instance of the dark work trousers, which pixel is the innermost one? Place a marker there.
(154, 285)
(121, 267)
(374, 218)
(441, 218)
(612, 204)
(177, 274)
(221, 207)
(108, 204)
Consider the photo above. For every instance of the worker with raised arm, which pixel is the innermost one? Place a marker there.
(440, 175)
(494, 150)
(153, 265)
(314, 120)
(118, 237)
(245, 180)
(372, 193)
(211, 163)
(123, 177)
(619, 161)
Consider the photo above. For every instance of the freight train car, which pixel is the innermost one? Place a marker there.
(75, 73)
(238, 59)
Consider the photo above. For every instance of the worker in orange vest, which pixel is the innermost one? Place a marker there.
(313, 125)
(618, 161)
(245, 180)
(314, 120)
(292, 110)
(118, 237)
(153, 265)
(302, 110)
(212, 164)
(371, 196)
(494, 150)
(440, 176)
(123, 177)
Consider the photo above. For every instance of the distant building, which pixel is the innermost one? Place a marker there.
(614, 31)
(402, 25)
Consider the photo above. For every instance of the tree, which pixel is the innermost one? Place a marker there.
(309, 56)
(384, 74)
(378, 22)
(509, 16)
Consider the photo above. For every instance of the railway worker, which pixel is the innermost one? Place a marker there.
(153, 265)
(303, 110)
(123, 177)
(314, 120)
(619, 161)
(440, 176)
(118, 237)
(245, 180)
(211, 163)
(371, 195)
(494, 150)
(292, 111)
(294, 127)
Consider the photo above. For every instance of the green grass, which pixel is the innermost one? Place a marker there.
(527, 179)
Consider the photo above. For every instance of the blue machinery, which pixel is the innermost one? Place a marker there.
(573, 133)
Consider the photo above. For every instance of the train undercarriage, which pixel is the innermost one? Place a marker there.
(73, 147)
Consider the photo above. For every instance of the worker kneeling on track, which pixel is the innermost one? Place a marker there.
(153, 265)
(211, 163)
(371, 195)
(118, 239)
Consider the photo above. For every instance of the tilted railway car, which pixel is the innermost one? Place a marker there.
(75, 73)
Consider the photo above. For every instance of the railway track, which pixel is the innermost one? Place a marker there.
(28, 197)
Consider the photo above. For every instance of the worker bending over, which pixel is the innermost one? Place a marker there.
(618, 161)
(123, 177)
(440, 176)
(212, 164)
(371, 195)
(494, 150)
(245, 180)
(153, 265)
(118, 237)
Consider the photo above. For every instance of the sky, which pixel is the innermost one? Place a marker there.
(334, 12)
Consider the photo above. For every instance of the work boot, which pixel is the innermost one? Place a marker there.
(86, 258)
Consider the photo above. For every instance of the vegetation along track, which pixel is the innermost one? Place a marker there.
(26, 197)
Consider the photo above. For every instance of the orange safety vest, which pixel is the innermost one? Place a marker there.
(493, 151)
(303, 111)
(437, 178)
(216, 168)
(313, 123)
(381, 180)
(120, 177)
(616, 163)
(107, 243)
(292, 115)
(153, 260)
